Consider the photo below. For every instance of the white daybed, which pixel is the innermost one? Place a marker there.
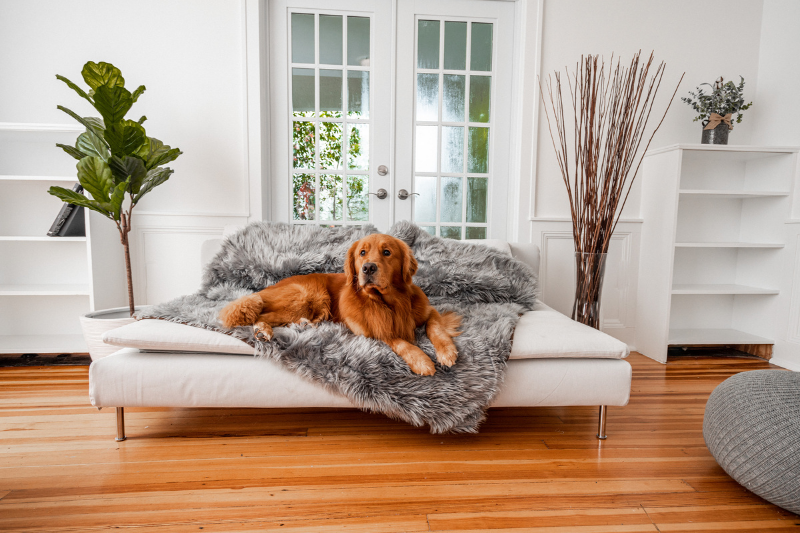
(554, 361)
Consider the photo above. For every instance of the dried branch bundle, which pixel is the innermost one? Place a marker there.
(610, 113)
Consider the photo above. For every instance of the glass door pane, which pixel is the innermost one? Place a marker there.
(453, 126)
(330, 120)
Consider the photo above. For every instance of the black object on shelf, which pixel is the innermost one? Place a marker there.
(75, 225)
(70, 221)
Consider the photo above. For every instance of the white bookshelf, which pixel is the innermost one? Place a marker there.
(713, 249)
(46, 283)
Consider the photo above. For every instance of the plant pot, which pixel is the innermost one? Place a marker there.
(718, 135)
(589, 288)
(96, 323)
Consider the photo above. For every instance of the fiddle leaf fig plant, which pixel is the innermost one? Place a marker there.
(118, 164)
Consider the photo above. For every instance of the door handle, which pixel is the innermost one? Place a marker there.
(381, 194)
(403, 194)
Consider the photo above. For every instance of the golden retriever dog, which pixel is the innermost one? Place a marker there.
(375, 297)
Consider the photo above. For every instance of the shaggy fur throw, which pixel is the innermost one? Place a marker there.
(488, 288)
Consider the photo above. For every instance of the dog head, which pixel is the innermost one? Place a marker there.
(379, 263)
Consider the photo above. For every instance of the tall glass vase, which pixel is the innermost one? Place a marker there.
(589, 288)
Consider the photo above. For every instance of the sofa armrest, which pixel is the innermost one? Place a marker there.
(527, 253)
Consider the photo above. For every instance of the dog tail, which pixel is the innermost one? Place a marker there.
(242, 312)
(451, 322)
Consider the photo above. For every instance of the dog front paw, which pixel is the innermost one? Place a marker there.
(422, 365)
(447, 355)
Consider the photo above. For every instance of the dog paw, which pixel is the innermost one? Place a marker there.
(262, 331)
(447, 355)
(422, 366)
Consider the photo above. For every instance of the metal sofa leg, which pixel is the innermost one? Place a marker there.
(601, 423)
(120, 424)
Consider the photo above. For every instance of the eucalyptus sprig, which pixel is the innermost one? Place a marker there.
(116, 158)
(724, 98)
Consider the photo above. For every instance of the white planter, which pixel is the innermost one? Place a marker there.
(98, 322)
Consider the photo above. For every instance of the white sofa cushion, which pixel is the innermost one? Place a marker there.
(544, 333)
(541, 334)
(164, 336)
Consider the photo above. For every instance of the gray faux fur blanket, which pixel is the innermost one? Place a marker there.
(488, 288)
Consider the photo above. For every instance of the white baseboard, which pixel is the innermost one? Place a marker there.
(786, 363)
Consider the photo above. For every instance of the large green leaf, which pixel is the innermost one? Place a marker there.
(71, 150)
(87, 123)
(138, 92)
(112, 102)
(125, 138)
(117, 197)
(102, 74)
(72, 197)
(92, 145)
(75, 88)
(159, 153)
(154, 178)
(128, 168)
(96, 177)
(96, 122)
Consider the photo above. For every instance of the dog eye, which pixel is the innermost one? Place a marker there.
(363, 252)
(387, 252)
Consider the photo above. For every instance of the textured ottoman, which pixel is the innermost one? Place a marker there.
(752, 427)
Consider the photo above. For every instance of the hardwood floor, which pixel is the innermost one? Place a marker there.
(532, 470)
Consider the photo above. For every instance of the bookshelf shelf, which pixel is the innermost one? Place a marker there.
(70, 179)
(39, 238)
(37, 127)
(45, 290)
(719, 288)
(729, 245)
(64, 343)
(712, 336)
(721, 193)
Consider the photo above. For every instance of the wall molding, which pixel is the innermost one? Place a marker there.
(534, 162)
(569, 220)
(624, 276)
(204, 214)
(140, 258)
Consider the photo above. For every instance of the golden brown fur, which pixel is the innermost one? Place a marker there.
(375, 297)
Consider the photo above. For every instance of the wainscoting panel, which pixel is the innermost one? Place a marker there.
(557, 274)
(166, 254)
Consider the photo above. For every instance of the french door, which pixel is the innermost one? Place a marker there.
(384, 111)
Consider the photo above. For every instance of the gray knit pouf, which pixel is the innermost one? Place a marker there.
(752, 427)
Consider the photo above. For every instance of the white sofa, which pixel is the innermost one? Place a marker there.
(554, 361)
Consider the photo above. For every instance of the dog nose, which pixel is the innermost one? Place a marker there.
(369, 268)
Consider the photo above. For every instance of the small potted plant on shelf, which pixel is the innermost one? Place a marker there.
(716, 109)
(118, 164)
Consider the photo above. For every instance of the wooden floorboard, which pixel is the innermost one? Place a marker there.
(539, 470)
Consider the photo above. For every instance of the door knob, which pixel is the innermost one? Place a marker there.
(381, 194)
(403, 194)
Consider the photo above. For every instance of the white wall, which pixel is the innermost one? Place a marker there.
(704, 39)
(775, 122)
(191, 57)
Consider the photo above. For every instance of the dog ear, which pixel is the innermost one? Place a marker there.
(350, 272)
(409, 263)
